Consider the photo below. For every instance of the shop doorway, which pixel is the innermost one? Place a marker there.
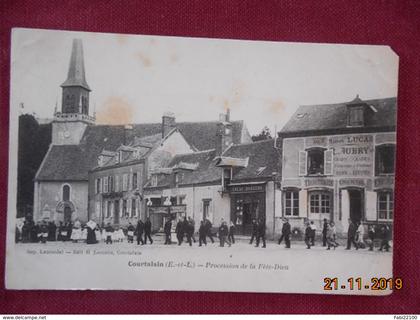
(245, 209)
(356, 204)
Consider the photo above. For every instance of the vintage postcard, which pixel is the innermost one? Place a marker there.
(169, 163)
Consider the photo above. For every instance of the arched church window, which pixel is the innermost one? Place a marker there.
(66, 193)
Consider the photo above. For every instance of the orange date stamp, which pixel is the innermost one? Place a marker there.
(379, 284)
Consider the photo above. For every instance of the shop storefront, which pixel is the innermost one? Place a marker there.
(248, 203)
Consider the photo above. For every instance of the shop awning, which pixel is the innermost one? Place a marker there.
(232, 162)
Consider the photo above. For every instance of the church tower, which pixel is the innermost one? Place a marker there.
(70, 124)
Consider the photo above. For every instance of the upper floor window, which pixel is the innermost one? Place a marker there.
(66, 193)
(355, 116)
(98, 186)
(134, 183)
(385, 205)
(316, 161)
(384, 159)
(111, 184)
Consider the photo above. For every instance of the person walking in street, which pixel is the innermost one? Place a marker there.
(254, 233)
(360, 235)
(223, 233)
(313, 233)
(109, 232)
(130, 233)
(371, 236)
(43, 229)
(189, 230)
(179, 230)
(385, 237)
(52, 231)
(148, 231)
(325, 227)
(260, 233)
(286, 232)
(167, 228)
(192, 226)
(202, 234)
(231, 236)
(308, 235)
(209, 227)
(139, 232)
(331, 236)
(351, 235)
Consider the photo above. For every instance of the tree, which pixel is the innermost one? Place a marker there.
(33, 143)
(265, 134)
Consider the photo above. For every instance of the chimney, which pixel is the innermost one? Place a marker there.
(224, 136)
(168, 123)
(128, 134)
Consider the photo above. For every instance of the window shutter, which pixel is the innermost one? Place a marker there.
(302, 163)
(121, 208)
(130, 181)
(112, 210)
(345, 206)
(100, 185)
(303, 203)
(371, 198)
(106, 184)
(328, 162)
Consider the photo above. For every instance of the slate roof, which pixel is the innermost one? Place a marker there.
(76, 73)
(205, 169)
(72, 162)
(334, 116)
(263, 160)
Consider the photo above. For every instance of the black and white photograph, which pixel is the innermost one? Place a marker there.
(169, 163)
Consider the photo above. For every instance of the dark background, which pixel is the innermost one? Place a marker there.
(394, 23)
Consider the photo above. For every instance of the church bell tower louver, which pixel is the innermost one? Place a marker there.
(70, 124)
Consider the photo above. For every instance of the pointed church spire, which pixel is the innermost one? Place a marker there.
(76, 73)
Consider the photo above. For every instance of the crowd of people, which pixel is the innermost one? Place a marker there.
(27, 231)
(355, 235)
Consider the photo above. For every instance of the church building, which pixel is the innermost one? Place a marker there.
(78, 146)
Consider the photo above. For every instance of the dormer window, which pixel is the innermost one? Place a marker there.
(355, 116)
(227, 176)
(154, 181)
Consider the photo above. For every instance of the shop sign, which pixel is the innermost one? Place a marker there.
(319, 182)
(384, 182)
(353, 155)
(352, 182)
(247, 188)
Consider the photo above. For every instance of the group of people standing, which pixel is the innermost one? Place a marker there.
(29, 232)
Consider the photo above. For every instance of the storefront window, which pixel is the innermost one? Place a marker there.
(316, 161)
(384, 156)
(291, 199)
(385, 205)
(320, 202)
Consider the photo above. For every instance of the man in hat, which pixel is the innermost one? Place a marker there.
(167, 229)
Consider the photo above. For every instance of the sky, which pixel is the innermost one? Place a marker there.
(136, 79)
